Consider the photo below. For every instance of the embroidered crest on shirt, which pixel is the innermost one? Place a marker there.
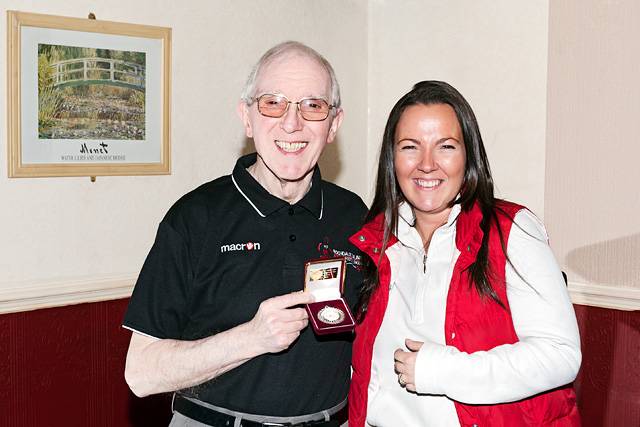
(351, 259)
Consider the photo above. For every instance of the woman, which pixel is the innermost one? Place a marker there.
(465, 319)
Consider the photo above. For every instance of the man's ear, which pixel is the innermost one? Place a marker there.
(335, 124)
(243, 113)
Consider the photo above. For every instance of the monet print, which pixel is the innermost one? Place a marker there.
(88, 93)
(87, 97)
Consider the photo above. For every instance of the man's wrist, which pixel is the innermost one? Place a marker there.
(246, 341)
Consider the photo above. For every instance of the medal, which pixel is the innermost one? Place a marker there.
(331, 315)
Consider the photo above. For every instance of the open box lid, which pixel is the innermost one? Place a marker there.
(324, 278)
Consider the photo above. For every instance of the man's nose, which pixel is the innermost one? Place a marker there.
(292, 121)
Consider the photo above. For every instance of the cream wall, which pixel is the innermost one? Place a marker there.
(494, 52)
(65, 236)
(62, 237)
(592, 201)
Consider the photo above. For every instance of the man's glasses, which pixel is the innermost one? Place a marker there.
(311, 109)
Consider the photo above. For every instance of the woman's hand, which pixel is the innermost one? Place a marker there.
(405, 364)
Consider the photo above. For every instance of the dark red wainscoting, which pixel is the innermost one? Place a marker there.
(608, 385)
(64, 367)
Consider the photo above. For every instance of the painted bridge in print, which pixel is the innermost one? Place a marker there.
(105, 71)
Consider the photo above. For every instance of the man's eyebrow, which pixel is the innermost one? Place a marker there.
(271, 92)
(279, 92)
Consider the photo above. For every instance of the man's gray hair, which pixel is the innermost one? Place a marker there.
(282, 49)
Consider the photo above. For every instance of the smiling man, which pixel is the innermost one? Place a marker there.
(216, 313)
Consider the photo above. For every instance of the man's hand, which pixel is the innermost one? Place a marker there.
(276, 325)
(405, 364)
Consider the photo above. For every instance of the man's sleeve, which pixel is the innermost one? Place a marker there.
(352, 291)
(159, 304)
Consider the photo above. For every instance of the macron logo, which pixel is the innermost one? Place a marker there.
(249, 246)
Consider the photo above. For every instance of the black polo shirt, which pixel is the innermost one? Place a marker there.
(224, 248)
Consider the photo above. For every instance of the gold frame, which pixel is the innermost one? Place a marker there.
(16, 168)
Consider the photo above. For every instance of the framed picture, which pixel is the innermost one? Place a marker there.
(87, 97)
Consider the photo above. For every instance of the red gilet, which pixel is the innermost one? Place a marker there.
(480, 325)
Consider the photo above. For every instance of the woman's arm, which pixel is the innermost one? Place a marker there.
(548, 352)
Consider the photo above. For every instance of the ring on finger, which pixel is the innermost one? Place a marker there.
(401, 380)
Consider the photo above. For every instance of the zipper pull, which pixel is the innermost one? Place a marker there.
(424, 264)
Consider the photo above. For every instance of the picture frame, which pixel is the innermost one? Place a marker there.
(87, 97)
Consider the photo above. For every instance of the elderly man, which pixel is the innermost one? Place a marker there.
(217, 312)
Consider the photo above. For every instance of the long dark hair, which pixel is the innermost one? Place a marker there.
(477, 185)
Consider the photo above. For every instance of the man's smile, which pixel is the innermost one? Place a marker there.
(291, 146)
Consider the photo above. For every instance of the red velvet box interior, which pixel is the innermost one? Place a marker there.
(321, 328)
(324, 278)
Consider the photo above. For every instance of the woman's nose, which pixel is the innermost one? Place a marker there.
(427, 162)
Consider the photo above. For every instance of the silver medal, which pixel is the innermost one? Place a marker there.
(331, 315)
